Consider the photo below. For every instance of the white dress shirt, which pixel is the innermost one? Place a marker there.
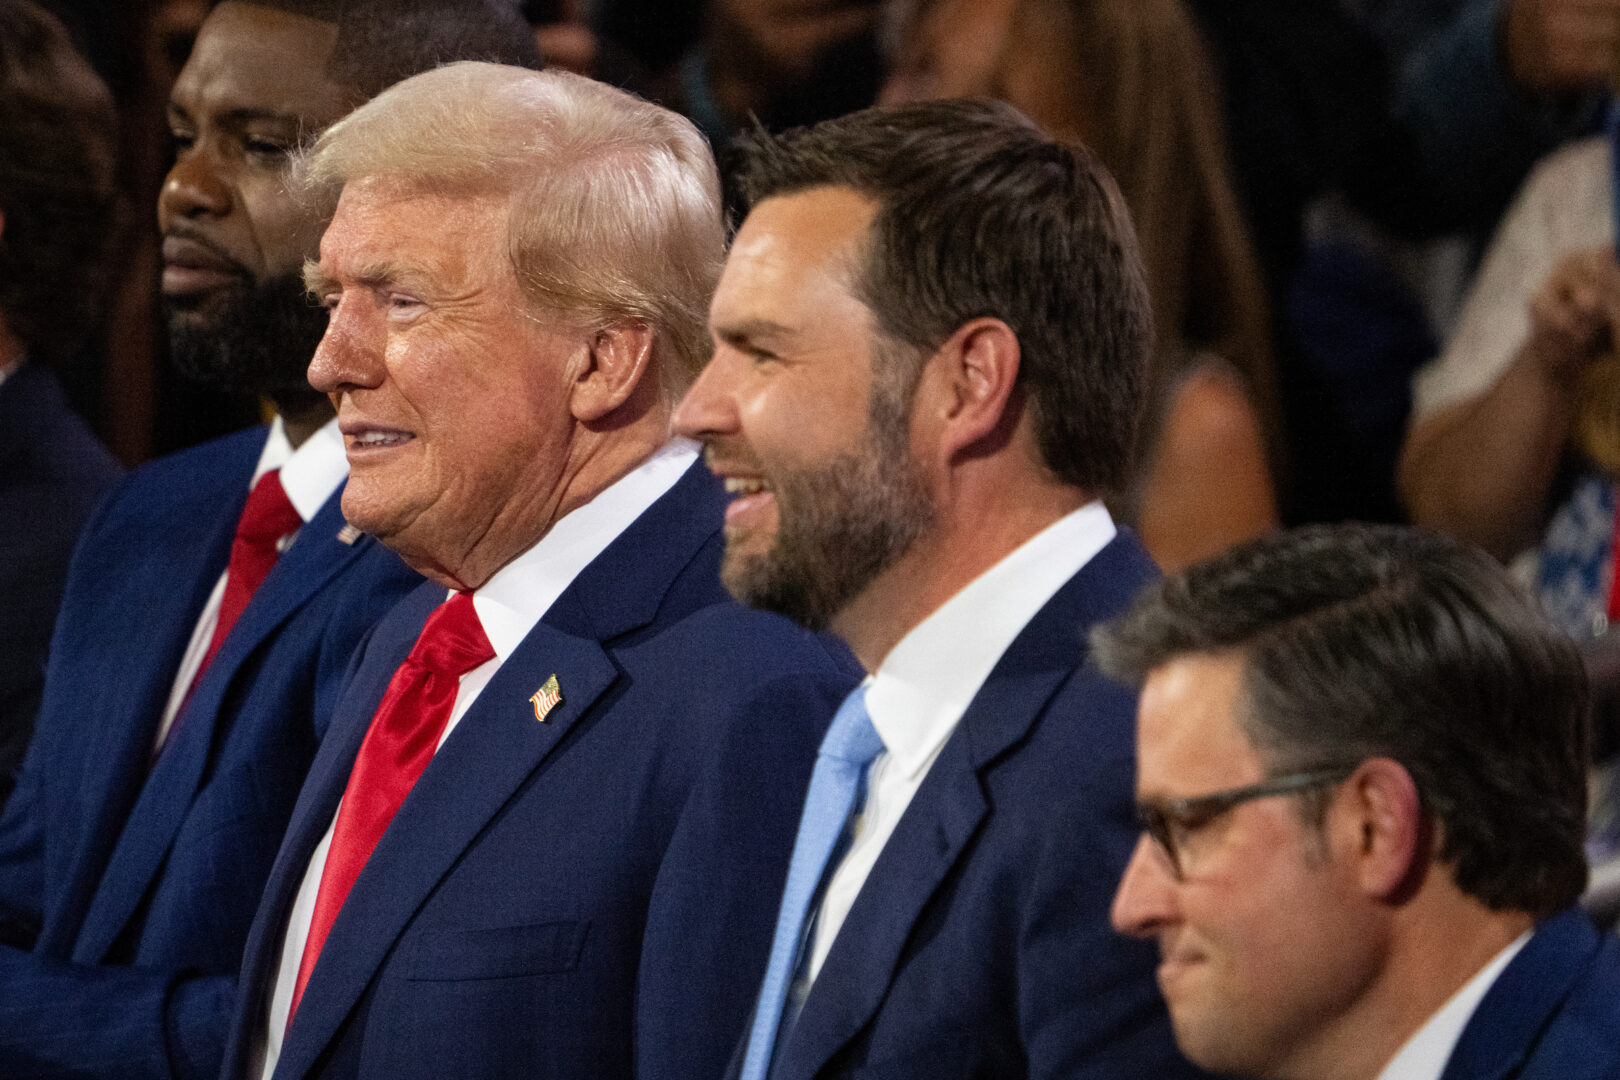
(309, 475)
(1564, 206)
(508, 607)
(1425, 1054)
(925, 684)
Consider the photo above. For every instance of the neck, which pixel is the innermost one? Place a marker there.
(987, 513)
(1439, 943)
(597, 459)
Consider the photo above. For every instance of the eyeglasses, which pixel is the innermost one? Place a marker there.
(1171, 821)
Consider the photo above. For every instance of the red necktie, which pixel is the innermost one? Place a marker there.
(398, 746)
(267, 517)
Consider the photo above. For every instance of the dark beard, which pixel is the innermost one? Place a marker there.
(252, 340)
(839, 526)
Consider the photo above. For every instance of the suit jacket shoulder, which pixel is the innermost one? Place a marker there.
(131, 882)
(1553, 1013)
(498, 927)
(997, 881)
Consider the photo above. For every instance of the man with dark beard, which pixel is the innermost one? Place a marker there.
(216, 596)
(931, 339)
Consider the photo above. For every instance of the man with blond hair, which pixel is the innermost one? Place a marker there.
(216, 595)
(516, 275)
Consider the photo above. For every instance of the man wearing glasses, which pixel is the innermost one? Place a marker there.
(1361, 776)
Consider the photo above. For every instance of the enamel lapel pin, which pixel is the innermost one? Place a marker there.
(348, 535)
(548, 697)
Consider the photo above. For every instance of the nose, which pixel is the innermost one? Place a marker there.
(709, 408)
(194, 187)
(1146, 899)
(350, 355)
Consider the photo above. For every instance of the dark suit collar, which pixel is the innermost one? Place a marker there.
(1518, 1006)
(499, 741)
(950, 806)
(655, 548)
(314, 559)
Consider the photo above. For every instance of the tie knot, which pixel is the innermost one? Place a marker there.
(269, 514)
(453, 641)
(852, 737)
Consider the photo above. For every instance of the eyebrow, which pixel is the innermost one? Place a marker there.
(372, 275)
(316, 283)
(176, 111)
(751, 332)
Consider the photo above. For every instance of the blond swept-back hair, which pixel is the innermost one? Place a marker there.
(614, 202)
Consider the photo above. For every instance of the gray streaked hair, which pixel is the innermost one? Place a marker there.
(614, 202)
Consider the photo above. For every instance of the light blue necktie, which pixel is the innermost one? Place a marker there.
(849, 746)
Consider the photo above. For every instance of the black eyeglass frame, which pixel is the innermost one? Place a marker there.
(1160, 818)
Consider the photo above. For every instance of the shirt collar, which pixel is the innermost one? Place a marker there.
(310, 473)
(1424, 1055)
(922, 688)
(521, 592)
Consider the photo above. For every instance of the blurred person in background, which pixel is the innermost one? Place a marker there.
(57, 213)
(1130, 79)
(783, 63)
(1514, 444)
(216, 595)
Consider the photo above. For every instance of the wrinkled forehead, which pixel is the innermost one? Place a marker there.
(387, 229)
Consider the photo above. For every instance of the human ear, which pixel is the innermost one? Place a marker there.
(1379, 817)
(617, 358)
(969, 382)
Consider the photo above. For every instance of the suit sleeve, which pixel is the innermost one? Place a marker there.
(22, 857)
(22, 832)
(713, 907)
(62, 1020)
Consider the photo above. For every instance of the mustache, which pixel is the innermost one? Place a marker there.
(183, 236)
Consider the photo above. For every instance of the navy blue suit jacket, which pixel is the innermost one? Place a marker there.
(1553, 1013)
(496, 930)
(125, 898)
(52, 472)
(979, 946)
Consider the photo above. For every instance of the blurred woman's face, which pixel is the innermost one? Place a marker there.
(1011, 50)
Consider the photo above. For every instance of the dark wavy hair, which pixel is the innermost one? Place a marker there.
(58, 137)
(1377, 641)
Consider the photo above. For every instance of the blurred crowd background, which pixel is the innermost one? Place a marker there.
(1314, 183)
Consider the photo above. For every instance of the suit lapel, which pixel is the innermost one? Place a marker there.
(500, 743)
(494, 750)
(1509, 1019)
(931, 837)
(313, 560)
(949, 807)
(380, 654)
(159, 600)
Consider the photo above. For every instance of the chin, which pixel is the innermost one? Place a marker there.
(365, 513)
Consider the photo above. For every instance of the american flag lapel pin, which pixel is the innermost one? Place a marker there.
(548, 697)
(348, 535)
